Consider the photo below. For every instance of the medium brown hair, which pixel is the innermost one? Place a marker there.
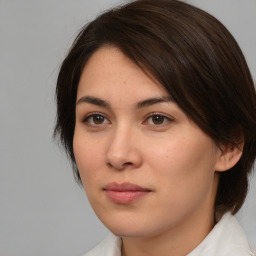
(194, 57)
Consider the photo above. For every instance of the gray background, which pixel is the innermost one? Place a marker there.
(42, 211)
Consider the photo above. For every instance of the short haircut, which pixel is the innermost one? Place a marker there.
(194, 57)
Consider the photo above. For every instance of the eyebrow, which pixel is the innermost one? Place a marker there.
(94, 101)
(152, 101)
(140, 104)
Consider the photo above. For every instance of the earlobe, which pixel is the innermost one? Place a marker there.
(229, 156)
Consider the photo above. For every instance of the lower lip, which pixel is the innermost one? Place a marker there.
(125, 197)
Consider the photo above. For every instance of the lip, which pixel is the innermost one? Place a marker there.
(125, 193)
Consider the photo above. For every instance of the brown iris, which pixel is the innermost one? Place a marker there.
(158, 119)
(97, 119)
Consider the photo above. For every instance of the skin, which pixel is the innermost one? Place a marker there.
(155, 146)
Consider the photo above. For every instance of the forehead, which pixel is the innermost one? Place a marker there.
(108, 70)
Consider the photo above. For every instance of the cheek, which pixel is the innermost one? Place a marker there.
(185, 179)
(184, 165)
(89, 158)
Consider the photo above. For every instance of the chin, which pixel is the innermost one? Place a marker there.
(125, 229)
(123, 226)
(133, 233)
(130, 228)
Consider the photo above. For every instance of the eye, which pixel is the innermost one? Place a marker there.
(96, 119)
(157, 119)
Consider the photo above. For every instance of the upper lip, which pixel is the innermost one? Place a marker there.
(126, 186)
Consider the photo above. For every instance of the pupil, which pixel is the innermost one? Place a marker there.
(158, 119)
(98, 119)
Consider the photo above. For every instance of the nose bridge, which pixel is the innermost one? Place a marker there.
(122, 150)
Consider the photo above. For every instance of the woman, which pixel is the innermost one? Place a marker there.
(156, 109)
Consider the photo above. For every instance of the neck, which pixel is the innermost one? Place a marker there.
(178, 241)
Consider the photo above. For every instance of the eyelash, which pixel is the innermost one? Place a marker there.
(92, 115)
(87, 118)
(164, 117)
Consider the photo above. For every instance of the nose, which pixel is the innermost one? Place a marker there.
(123, 151)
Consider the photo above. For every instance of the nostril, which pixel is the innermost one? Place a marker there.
(119, 166)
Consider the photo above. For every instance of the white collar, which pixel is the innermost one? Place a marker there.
(226, 239)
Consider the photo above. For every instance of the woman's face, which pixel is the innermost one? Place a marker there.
(146, 168)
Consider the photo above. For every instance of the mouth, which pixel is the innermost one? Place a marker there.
(125, 193)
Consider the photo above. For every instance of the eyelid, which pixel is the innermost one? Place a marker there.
(168, 117)
(91, 114)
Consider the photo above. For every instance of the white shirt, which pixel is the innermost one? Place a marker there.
(226, 239)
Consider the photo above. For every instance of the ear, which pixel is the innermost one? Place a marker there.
(229, 156)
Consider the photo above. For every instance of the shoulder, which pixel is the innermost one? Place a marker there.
(110, 246)
(226, 238)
